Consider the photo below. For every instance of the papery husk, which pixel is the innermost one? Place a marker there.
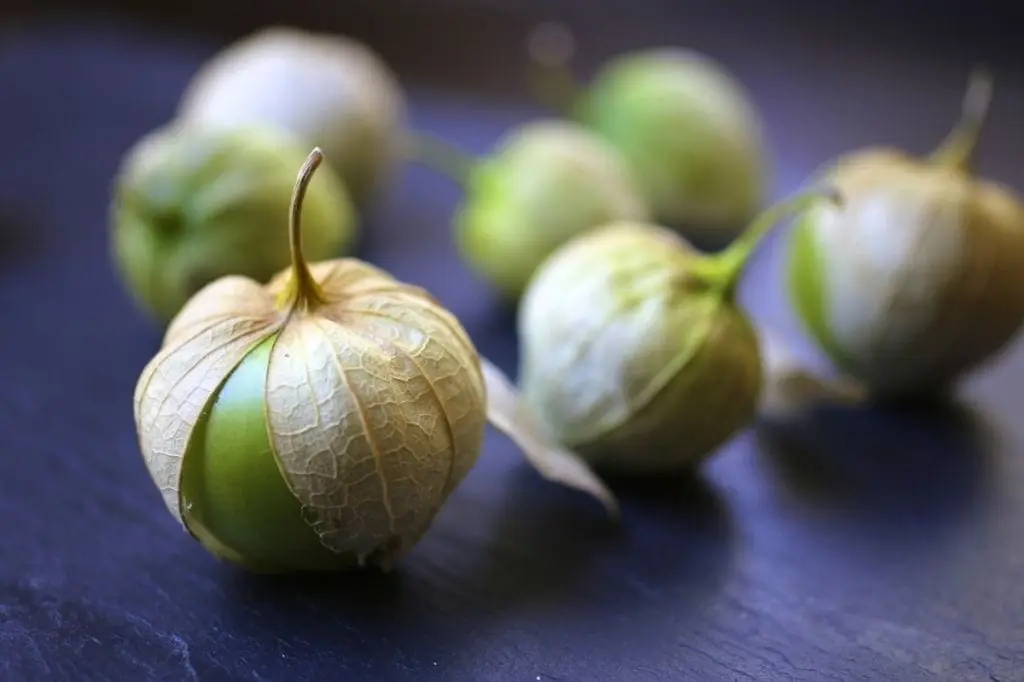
(920, 279)
(376, 400)
(545, 183)
(792, 386)
(635, 353)
(331, 90)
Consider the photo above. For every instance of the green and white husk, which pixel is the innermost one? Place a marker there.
(919, 279)
(634, 352)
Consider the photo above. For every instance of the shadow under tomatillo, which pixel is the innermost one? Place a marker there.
(20, 236)
(511, 550)
(551, 551)
(905, 472)
(327, 614)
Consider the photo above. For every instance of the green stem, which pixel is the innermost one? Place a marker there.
(302, 291)
(957, 150)
(550, 47)
(722, 272)
(439, 155)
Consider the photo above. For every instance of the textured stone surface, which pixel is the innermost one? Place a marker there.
(864, 547)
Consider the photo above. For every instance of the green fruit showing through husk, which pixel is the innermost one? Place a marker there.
(328, 90)
(546, 182)
(687, 128)
(194, 204)
(920, 278)
(634, 352)
(320, 421)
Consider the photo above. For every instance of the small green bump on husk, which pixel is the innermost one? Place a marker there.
(545, 182)
(919, 280)
(192, 204)
(635, 352)
(321, 420)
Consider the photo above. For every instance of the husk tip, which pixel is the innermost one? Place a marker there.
(978, 94)
(980, 76)
(612, 508)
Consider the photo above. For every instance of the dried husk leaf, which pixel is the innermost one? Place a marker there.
(509, 414)
(790, 386)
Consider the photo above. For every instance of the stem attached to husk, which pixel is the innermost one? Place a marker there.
(722, 272)
(550, 47)
(302, 291)
(439, 155)
(957, 150)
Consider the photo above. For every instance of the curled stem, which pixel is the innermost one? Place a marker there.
(439, 155)
(723, 271)
(550, 47)
(302, 292)
(957, 150)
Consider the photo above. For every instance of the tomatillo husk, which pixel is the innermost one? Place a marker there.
(919, 280)
(544, 183)
(193, 204)
(320, 421)
(329, 90)
(635, 353)
(688, 129)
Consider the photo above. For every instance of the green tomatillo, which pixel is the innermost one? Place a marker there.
(545, 182)
(320, 421)
(920, 279)
(635, 353)
(687, 127)
(329, 90)
(193, 204)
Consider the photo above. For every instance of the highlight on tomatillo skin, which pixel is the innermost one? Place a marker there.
(543, 183)
(920, 279)
(328, 90)
(193, 204)
(635, 353)
(687, 127)
(321, 420)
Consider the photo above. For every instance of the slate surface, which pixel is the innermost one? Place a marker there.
(862, 547)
